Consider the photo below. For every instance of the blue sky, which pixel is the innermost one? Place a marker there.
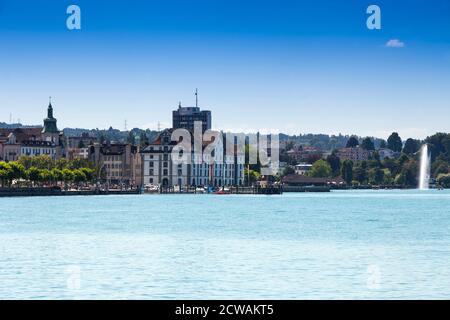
(289, 66)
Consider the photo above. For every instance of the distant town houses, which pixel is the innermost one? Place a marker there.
(32, 141)
(77, 153)
(127, 164)
(140, 158)
(305, 153)
(354, 154)
(78, 147)
(82, 141)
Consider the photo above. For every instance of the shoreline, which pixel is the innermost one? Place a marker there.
(53, 192)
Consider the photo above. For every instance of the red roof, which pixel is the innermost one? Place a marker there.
(23, 134)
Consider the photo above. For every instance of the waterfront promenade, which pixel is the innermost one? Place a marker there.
(30, 192)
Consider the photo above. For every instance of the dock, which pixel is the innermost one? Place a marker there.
(230, 190)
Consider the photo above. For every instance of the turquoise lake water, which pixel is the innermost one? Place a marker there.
(338, 245)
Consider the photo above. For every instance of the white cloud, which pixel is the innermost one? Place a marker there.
(395, 43)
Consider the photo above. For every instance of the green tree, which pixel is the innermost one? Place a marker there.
(391, 165)
(368, 144)
(387, 177)
(68, 175)
(394, 142)
(79, 176)
(376, 176)
(144, 139)
(288, 170)
(26, 162)
(251, 176)
(58, 175)
(375, 157)
(400, 179)
(89, 173)
(360, 173)
(410, 172)
(320, 169)
(62, 163)
(439, 145)
(411, 146)
(42, 162)
(347, 171)
(46, 176)
(335, 163)
(17, 171)
(5, 173)
(33, 174)
(3, 176)
(440, 167)
(131, 138)
(444, 180)
(352, 142)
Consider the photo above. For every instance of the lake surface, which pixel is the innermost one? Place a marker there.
(338, 245)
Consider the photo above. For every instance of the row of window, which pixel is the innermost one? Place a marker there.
(113, 166)
(205, 182)
(113, 158)
(152, 164)
(165, 148)
(199, 166)
(114, 174)
(35, 151)
(216, 173)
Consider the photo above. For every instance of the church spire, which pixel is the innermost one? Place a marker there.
(50, 108)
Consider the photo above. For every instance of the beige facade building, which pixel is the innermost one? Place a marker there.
(354, 154)
(119, 164)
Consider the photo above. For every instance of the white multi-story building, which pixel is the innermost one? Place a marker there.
(158, 167)
(302, 168)
(37, 148)
(216, 169)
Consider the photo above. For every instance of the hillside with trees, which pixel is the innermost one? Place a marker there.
(400, 171)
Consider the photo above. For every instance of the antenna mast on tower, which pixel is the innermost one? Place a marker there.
(196, 98)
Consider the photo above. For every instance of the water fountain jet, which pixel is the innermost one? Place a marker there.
(425, 159)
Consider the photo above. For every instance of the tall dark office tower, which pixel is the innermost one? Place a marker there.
(184, 117)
